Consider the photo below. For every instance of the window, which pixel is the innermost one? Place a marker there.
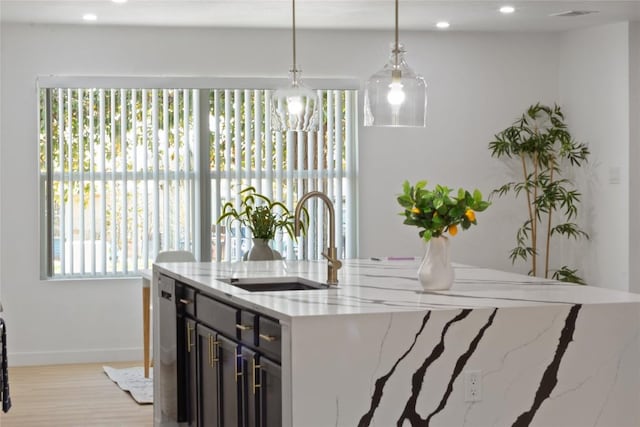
(128, 172)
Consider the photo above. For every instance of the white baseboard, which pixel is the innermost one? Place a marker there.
(74, 356)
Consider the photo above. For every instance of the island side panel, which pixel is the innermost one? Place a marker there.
(582, 363)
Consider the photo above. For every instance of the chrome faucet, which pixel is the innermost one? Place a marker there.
(332, 254)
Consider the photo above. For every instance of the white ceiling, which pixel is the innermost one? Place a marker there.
(464, 15)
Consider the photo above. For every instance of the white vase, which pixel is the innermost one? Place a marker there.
(435, 272)
(260, 251)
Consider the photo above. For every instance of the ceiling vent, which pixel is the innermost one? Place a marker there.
(572, 13)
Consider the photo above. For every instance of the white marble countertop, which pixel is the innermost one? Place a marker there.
(371, 286)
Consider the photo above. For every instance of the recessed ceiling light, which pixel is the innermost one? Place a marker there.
(507, 9)
(89, 17)
(119, 1)
(442, 25)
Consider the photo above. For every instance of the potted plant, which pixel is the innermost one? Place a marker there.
(435, 212)
(543, 147)
(264, 217)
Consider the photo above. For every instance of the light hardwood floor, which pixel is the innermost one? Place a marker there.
(71, 395)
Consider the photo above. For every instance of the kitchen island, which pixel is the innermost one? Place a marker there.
(497, 349)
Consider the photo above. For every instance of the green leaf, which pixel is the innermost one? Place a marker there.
(456, 212)
(406, 187)
(248, 190)
(405, 201)
(481, 206)
(566, 274)
(421, 184)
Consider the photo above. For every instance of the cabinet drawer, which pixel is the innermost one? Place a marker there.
(185, 299)
(269, 337)
(247, 328)
(219, 316)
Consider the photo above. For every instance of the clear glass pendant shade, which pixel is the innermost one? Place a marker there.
(395, 95)
(294, 108)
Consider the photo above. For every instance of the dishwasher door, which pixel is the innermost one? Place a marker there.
(168, 364)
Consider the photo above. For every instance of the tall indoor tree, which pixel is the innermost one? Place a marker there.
(545, 150)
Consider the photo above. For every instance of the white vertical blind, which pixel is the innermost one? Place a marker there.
(125, 179)
(185, 179)
(351, 176)
(214, 115)
(164, 185)
(339, 158)
(311, 186)
(92, 184)
(318, 211)
(102, 187)
(200, 202)
(278, 179)
(61, 205)
(237, 185)
(175, 153)
(145, 178)
(70, 190)
(247, 142)
(134, 185)
(289, 184)
(268, 147)
(155, 170)
(257, 137)
(123, 166)
(116, 163)
(112, 208)
(227, 164)
(302, 138)
(81, 212)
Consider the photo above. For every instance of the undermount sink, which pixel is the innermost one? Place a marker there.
(271, 284)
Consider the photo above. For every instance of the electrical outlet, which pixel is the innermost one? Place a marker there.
(472, 386)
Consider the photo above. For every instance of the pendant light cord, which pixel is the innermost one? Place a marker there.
(293, 26)
(396, 47)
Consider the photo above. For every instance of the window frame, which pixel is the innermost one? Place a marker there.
(201, 242)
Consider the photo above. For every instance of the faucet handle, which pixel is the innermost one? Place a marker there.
(335, 263)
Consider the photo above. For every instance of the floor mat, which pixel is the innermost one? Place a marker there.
(133, 381)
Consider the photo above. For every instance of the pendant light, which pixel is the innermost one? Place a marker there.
(294, 108)
(395, 96)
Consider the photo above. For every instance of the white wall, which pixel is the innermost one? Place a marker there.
(478, 84)
(634, 156)
(594, 89)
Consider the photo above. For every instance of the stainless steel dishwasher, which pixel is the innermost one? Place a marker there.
(168, 366)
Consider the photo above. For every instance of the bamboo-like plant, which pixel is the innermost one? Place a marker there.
(543, 145)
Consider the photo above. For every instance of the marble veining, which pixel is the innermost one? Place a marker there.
(550, 376)
(380, 382)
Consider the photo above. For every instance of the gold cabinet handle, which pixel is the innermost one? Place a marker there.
(190, 343)
(213, 351)
(243, 327)
(185, 301)
(256, 372)
(268, 338)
